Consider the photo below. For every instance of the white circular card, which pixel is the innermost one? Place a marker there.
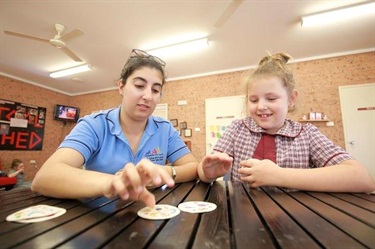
(36, 214)
(159, 212)
(55, 215)
(197, 206)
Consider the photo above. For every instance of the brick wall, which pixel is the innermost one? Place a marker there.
(54, 131)
(317, 83)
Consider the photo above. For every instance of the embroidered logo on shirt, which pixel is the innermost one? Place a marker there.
(155, 155)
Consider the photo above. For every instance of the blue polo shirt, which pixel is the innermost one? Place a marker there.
(100, 140)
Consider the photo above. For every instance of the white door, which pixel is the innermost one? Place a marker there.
(358, 114)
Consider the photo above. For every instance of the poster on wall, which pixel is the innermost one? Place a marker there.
(220, 112)
(21, 126)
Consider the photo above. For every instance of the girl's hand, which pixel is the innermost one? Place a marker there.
(260, 172)
(214, 166)
(131, 182)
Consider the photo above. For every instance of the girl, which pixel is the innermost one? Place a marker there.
(123, 149)
(266, 149)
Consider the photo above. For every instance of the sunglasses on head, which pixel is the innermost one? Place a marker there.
(142, 54)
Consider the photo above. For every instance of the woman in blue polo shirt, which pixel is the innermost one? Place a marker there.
(122, 149)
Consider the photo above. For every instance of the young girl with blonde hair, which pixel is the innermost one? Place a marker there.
(268, 150)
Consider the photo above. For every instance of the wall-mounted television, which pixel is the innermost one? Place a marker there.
(66, 113)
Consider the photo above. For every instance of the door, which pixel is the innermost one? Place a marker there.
(358, 114)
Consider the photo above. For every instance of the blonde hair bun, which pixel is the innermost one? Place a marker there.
(282, 58)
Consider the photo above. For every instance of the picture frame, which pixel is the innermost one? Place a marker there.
(183, 125)
(187, 133)
(174, 122)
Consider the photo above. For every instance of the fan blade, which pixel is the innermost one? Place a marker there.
(26, 36)
(72, 55)
(232, 7)
(71, 35)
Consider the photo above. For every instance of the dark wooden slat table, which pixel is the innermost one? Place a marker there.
(244, 218)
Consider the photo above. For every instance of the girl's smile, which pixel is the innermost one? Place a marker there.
(268, 103)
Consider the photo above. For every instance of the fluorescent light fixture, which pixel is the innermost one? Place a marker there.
(70, 71)
(180, 48)
(335, 15)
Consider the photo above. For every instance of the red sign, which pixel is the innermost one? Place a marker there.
(21, 126)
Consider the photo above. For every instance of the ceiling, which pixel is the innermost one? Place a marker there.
(112, 28)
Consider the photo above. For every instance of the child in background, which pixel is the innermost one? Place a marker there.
(268, 150)
(16, 170)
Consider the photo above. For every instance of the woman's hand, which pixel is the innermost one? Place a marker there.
(260, 172)
(214, 166)
(131, 182)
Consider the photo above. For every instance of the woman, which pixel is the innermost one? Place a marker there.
(123, 150)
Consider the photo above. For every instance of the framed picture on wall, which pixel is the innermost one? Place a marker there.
(174, 122)
(183, 125)
(187, 132)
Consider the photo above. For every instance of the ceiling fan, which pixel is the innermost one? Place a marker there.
(232, 7)
(59, 41)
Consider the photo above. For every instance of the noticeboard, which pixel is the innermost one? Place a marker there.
(220, 112)
(21, 126)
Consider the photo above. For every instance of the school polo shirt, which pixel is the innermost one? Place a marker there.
(100, 140)
(295, 146)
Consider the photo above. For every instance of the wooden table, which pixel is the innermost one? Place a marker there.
(244, 219)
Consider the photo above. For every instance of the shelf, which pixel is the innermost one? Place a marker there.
(308, 120)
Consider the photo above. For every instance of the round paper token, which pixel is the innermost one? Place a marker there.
(34, 212)
(33, 220)
(159, 212)
(197, 206)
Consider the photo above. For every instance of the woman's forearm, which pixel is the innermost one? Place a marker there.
(186, 172)
(63, 181)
